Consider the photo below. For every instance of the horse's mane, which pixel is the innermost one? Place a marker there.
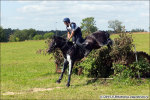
(61, 38)
(58, 37)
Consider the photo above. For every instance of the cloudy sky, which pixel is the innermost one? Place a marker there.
(48, 15)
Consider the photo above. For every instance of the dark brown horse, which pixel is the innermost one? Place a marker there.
(97, 40)
(72, 53)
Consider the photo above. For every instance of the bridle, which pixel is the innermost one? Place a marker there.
(65, 45)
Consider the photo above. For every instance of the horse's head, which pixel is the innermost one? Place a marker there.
(53, 44)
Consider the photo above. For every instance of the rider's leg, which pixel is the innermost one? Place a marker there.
(78, 42)
(83, 46)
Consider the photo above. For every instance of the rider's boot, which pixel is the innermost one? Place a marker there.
(83, 47)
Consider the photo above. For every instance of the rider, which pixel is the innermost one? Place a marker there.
(75, 33)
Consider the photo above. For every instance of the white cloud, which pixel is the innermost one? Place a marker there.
(48, 12)
(144, 14)
(18, 18)
(35, 8)
(26, 1)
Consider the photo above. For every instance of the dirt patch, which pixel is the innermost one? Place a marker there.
(32, 90)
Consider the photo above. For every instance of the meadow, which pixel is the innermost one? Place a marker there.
(28, 75)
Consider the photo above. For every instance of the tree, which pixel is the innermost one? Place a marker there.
(8, 32)
(115, 25)
(2, 36)
(137, 30)
(32, 33)
(88, 25)
(38, 37)
(48, 35)
(21, 35)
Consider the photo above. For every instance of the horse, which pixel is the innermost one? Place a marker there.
(96, 40)
(73, 53)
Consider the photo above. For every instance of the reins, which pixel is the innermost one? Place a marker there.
(66, 44)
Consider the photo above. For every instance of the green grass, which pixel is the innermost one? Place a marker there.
(22, 70)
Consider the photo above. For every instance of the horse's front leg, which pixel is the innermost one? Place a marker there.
(71, 63)
(64, 68)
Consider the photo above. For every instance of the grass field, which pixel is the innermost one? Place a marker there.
(25, 72)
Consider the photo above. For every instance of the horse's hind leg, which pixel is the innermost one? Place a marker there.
(64, 68)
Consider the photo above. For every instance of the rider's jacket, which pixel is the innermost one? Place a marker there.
(76, 29)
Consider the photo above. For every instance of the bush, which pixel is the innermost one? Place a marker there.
(21, 35)
(48, 35)
(98, 63)
(137, 30)
(142, 68)
(12, 38)
(121, 49)
(88, 65)
(38, 37)
(124, 62)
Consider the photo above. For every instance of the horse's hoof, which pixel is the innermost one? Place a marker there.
(67, 85)
(58, 81)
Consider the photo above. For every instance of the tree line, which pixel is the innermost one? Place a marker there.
(14, 35)
(88, 26)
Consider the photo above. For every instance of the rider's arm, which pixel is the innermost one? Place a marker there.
(68, 35)
(73, 26)
(72, 33)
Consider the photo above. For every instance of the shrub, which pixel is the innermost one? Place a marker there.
(98, 63)
(121, 48)
(21, 35)
(12, 38)
(48, 35)
(38, 37)
(142, 68)
(124, 62)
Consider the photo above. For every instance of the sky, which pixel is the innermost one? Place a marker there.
(48, 15)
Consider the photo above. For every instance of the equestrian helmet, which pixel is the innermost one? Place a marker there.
(66, 20)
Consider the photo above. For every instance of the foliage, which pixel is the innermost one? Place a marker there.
(115, 25)
(124, 62)
(88, 64)
(38, 37)
(2, 35)
(12, 38)
(21, 35)
(97, 64)
(121, 48)
(26, 34)
(5, 34)
(137, 30)
(88, 25)
(142, 68)
(48, 35)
